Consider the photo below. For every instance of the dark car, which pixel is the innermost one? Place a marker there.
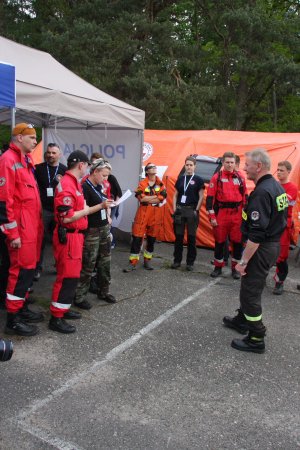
(206, 166)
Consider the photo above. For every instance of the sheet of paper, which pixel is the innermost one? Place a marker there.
(124, 197)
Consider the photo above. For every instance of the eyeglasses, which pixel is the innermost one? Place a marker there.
(29, 125)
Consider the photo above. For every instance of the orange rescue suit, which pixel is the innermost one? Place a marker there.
(148, 218)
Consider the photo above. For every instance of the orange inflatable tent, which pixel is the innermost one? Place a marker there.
(168, 149)
(38, 153)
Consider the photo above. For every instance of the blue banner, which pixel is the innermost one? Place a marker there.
(7, 85)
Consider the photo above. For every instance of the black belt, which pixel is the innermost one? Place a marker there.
(186, 206)
(228, 204)
(74, 231)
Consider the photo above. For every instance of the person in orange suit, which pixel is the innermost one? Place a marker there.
(151, 193)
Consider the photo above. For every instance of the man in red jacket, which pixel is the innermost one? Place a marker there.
(20, 221)
(283, 172)
(226, 196)
(70, 211)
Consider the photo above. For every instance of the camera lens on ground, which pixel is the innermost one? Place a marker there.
(6, 349)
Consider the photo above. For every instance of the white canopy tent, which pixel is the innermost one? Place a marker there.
(76, 115)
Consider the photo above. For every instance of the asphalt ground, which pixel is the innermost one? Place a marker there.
(156, 370)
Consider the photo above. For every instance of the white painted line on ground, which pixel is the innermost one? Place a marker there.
(59, 444)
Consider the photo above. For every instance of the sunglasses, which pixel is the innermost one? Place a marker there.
(29, 125)
(102, 165)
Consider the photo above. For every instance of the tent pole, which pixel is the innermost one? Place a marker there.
(43, 141)
(13, 118)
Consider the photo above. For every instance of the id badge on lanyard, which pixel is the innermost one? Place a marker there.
(50, 191)
(185, 186)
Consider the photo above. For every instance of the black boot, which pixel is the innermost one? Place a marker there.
(60, 325)
(30, 316)
(72, 315)
(254, 343)
(238, 322)
(15, 325)
(216, 272)
(83, 305)
(106, 297)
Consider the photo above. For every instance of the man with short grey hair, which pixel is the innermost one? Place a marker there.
(264, 220)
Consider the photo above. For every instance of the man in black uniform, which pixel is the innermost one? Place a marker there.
(264, 220)
(48, 175)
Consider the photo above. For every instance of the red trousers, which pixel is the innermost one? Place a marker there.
(229, 227)
(68, 259)
(21, 272)
(282, 267)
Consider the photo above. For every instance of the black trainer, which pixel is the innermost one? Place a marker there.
(148, 265)
(278, 289)
(15, 325)
(216, 272)
(175, 265)
(129, 268)
(249, 344)
(238, 322)
(60, 325)
(26, 315)
(83, 305)
(235, 274)
(189, 267)
(107, 298)
(72, 315)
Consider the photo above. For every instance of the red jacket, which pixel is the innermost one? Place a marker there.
(292, 193)
(20, 205)
(69, 193)
(225, 188)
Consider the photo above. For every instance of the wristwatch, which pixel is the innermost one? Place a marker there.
(243, 262)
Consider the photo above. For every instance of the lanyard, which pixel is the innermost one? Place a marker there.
(185, 186)
(28, 163)
(49, 179)
(95, 190)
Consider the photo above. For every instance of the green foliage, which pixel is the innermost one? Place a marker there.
(190, 64)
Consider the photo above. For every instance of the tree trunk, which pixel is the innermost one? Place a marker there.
(241, 103)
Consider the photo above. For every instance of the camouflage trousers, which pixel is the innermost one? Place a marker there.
(96, 255)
